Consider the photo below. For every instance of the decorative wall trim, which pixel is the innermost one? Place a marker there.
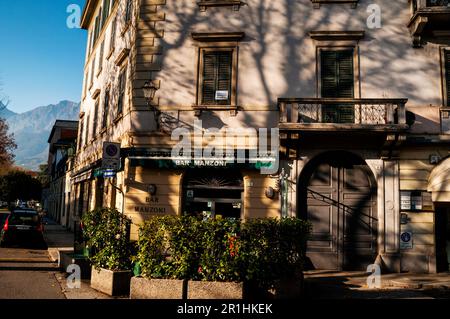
(317, 3)
(336, 35)
(236, 4)
(218, 36)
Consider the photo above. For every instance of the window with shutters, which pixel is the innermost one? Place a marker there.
(337, 81)
(217, 77)
(105, 110)
(447, 76)
(121, 91)
(95, 121)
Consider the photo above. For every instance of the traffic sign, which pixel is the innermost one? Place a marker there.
(109, 174)
(406, 241)
(111, 156)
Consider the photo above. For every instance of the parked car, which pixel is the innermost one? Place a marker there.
(22, 225)
(3, 216)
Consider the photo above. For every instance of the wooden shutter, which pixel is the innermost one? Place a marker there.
(105, 110)
(447, 74)
(209, 78)
(217, 69)
(337, 81)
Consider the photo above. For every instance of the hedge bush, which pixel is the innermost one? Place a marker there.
(259, 250)
(106, 232)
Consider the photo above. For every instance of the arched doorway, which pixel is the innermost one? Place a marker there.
(213, 192)
(337, 194)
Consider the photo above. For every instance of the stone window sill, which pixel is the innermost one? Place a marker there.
(204, 5)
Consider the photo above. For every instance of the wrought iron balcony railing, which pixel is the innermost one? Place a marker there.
(334, 113)
(438, 3)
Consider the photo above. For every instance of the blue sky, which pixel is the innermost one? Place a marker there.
(41, 59)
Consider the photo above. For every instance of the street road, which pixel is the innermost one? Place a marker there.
(28, 273)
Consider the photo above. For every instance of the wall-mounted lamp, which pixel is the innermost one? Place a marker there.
(152, 189)
(270, 192)
(150, 89)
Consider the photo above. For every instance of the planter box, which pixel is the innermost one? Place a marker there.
(113, 283)
(215, 290)
(142, 288)
(68, 258)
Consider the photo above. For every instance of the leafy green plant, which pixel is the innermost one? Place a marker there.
(107, 234)
(258, 250)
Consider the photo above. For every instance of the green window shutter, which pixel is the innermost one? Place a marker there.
(345, 74)
(209, 78)
(329, 74)
(217, 72)
(337, 81)
(447, 74)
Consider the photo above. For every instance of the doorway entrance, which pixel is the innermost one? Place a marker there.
(338, 196)
(442, 222)
(213, 193)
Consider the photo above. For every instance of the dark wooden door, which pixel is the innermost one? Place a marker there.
(341, 204)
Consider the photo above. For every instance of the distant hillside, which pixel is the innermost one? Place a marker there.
(32, 129)
(5, 113)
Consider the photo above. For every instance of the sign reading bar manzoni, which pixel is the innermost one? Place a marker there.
(151, 208)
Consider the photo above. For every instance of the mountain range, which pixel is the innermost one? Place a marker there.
(32, 129)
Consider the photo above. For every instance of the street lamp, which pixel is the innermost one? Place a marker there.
(149, 93)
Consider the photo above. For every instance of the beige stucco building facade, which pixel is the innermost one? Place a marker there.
(357, 91)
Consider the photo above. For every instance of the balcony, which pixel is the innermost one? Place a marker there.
(317, 114)
(430, 20)
(332, 122)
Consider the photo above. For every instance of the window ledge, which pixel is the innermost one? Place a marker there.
(110, 53)
(318, 3)
(217, 36)
(336, 35)
(125, 29)
(122, 56)
(118, 118)
(204, 5)
(99, 72)
(199, 108)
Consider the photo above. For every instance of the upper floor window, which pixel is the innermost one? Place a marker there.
(100, 60)
(216, 76)
(112, 42)
(128, 11)
(81, 134)
(95, 121)
(91, 82)
(337, 81)
(447, 76)
(121, 91)
(105, 110)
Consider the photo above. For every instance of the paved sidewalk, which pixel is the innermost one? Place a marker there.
(59, 240)
(348, 285)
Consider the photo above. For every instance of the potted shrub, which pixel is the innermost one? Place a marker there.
(186, 257)
(167, 257)
(107, 233)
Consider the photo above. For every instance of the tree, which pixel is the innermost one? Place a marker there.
(7, 144)
(19, 185)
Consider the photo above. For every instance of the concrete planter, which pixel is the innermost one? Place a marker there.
(215, 290)
(67, 258)
(142, 288)
(113, 283)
